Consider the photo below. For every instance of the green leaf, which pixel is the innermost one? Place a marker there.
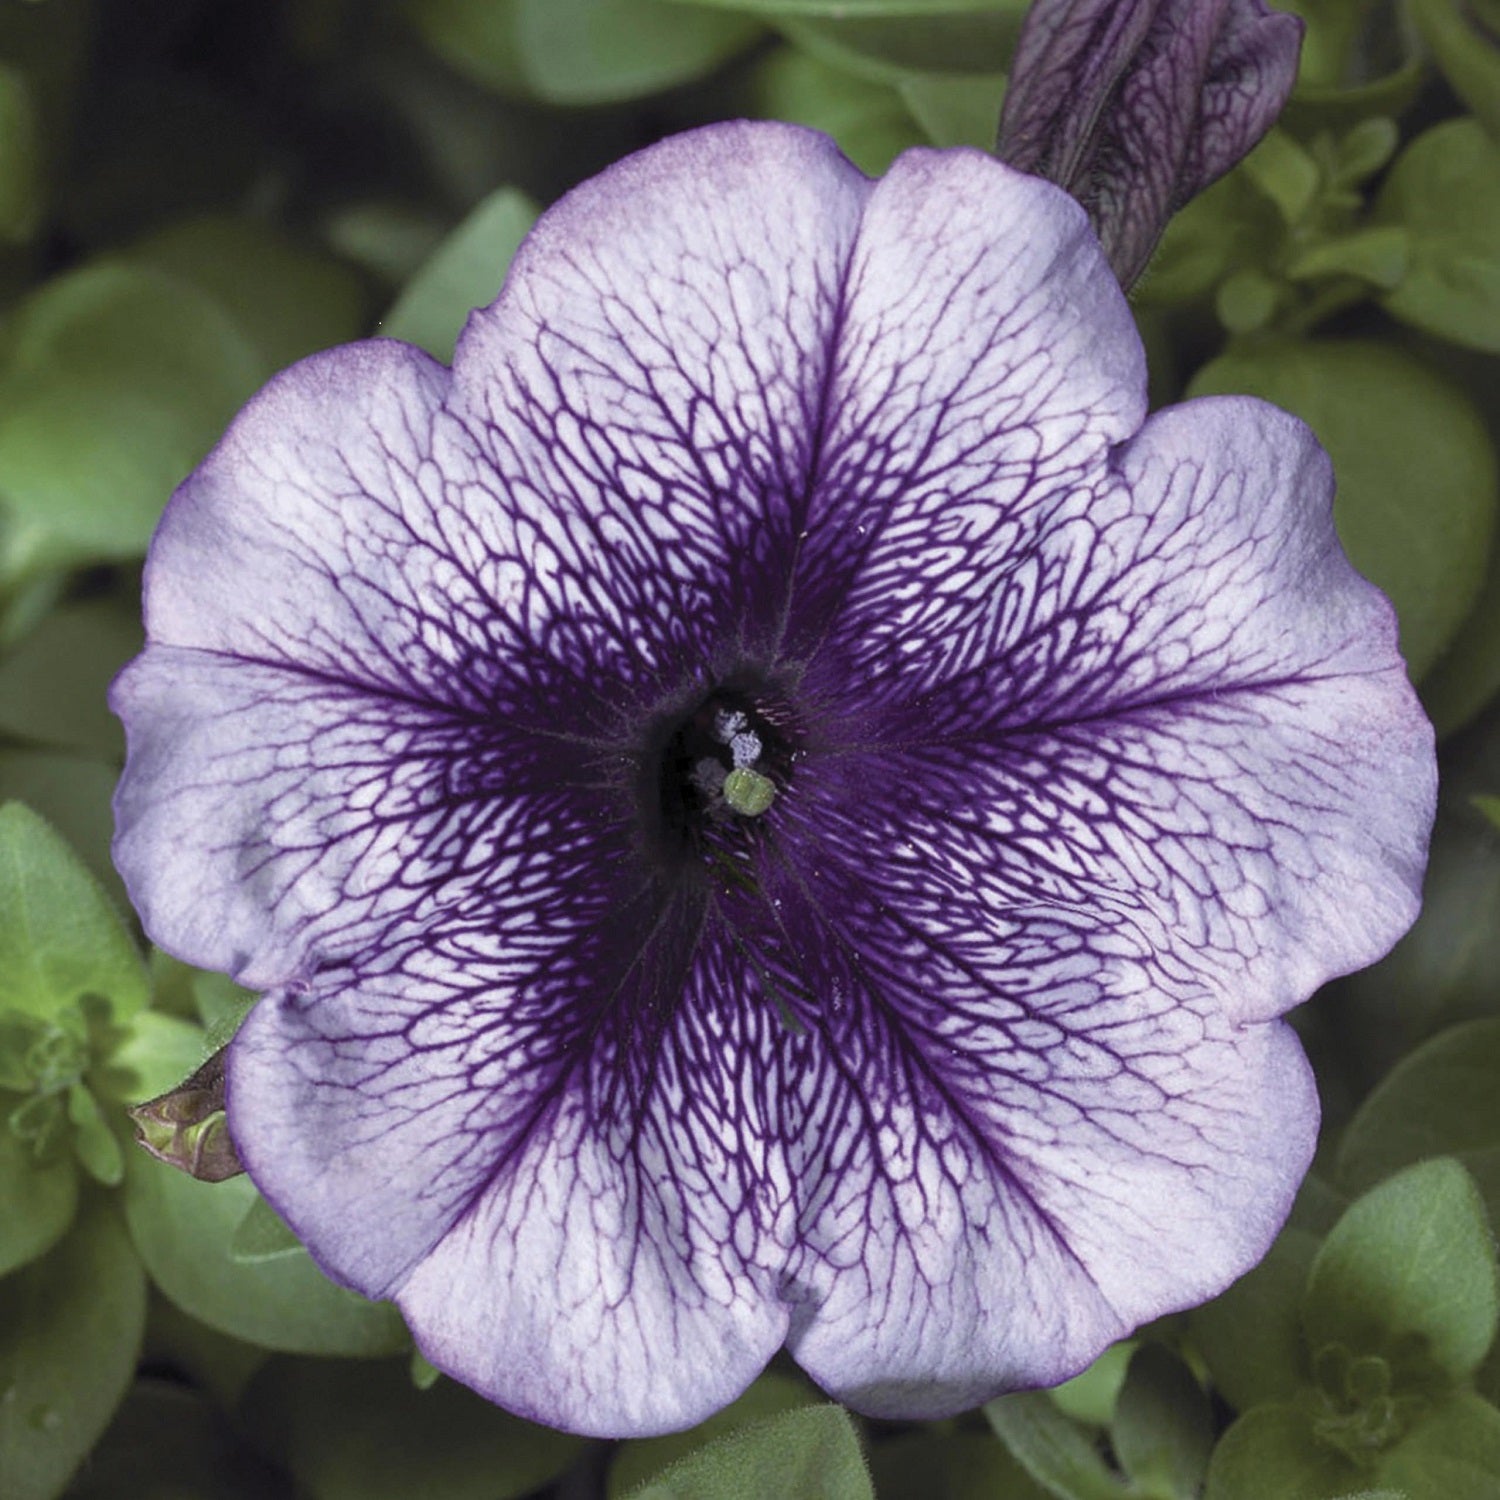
(1286, 173)
(52, 684)
(1409, 1275)
(1441, 1100)
(1489, 806)
(1415, 468)
(1356, 62)
(1163, 1430)
(860, 9)
(262, 1235)
(1230, 227)
(73, 793)
(1467, 675)
(580, 51)
(1272, 1451)
(287, 299)
(362, 1431)
(955, 110)
(1378, 255)
(1058, 1454)
(644, 1458)
(94, 1142)
(59, 937)
(114, 381)
(184, 1230)
(158, 1052)
(1444, 191)
(70, 1333)
(1090, 1396)
(813, 1451)
(466, 272)
(1466, 51)
(167, 1442)
(886, 47)
(867, 119)
(945, 1465)
(1250, 1336)
(37, 1199)
(1454, 1454)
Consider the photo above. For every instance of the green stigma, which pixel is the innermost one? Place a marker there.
(748, 792)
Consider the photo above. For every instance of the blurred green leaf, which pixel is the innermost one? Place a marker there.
(158, 1051)
(580, 51)
(59, 937)
(1060, 1455)
(1286, 173)
(955, 110)
(643, 1458)
(1410, 1266)
(167, 1442)
(1090, 1395)
(1454, 1454)
(887, 48)
(37, 1199)
(184, 1230)
(1467, 675)
(70, 1331)
(94, 1142)
(288, 300)
(20, 158)
(1489, 806)
(114, 381)
(1468, 52)
(73, 793)
(1379, 255)
(362, 1431)
(1416, 472)
(262, 1235)
(1358, 60)
(868, 120)
(811, 1451)
(1250, 1336)
(1441, 1100)
(858, 9)
(466, 272)
(934, 1464)
(53, 682)
(1163, 1429)
(1444, 191)
(1230, 227)
(1273, 1451)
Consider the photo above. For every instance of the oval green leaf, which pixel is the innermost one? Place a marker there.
(60, 938)
(70, 1334)
(1411, 1260)
(185, 1232)
(1444, 192)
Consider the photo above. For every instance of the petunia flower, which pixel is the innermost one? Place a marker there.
(772, 804)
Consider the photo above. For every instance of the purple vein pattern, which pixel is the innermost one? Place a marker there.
(1088, 755)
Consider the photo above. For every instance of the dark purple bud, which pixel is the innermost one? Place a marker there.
(1135, 106)
(186, 1128)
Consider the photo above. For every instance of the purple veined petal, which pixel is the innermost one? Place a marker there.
(946, 395)
(271, 820)
(654, 374)
(1136, 107)
(587, 1228)
(1181, 698)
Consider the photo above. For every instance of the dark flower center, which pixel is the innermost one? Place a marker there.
(719, 767)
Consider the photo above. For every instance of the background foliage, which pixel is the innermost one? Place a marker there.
(194, 193)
